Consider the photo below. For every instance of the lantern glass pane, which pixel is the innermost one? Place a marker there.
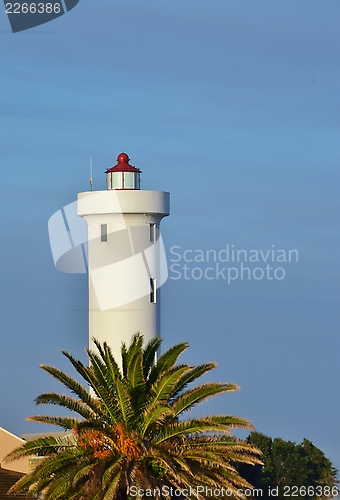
(129, 180)
(117, 178)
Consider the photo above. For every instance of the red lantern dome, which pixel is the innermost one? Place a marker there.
(123, 175)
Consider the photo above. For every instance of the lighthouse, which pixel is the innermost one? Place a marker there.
(126, 257)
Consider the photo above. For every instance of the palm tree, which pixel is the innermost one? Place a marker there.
(129, 438)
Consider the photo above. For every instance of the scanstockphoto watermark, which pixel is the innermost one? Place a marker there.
(27, 14)
(287, 491)
(134, 260)
(137, 259)
(195, 492)
(231, 263)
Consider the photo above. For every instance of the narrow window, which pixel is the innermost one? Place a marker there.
(153, 233)
(103, 232)
(153, 290)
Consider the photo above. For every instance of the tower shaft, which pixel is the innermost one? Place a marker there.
(126, 262)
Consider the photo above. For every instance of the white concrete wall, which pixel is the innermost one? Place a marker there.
(124, 201)
(120, 268)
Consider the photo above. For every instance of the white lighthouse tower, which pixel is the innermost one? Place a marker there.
(126, 258)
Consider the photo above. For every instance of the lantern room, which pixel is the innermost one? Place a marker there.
(123, 175)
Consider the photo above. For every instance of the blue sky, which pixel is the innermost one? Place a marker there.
(233, 107)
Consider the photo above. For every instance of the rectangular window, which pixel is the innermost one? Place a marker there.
(153, 233)
(103, 232)
(153, 289)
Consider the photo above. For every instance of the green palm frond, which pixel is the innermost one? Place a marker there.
(100, 376)
(149, 355)
(124, 403)
(66, 402)
(38, 487)
(110, 361)
(21, 485)
(128, 353)
(66, 423)
(155, 414)
(135, 374)
(50, 466)
(58, 488)
(165, 383)
(72, 384)
(231, 421)
(113, 486)
(110, 470)
(199, 394)
(130, 429)
(166, 361)
(189, 427)
(191, 375)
